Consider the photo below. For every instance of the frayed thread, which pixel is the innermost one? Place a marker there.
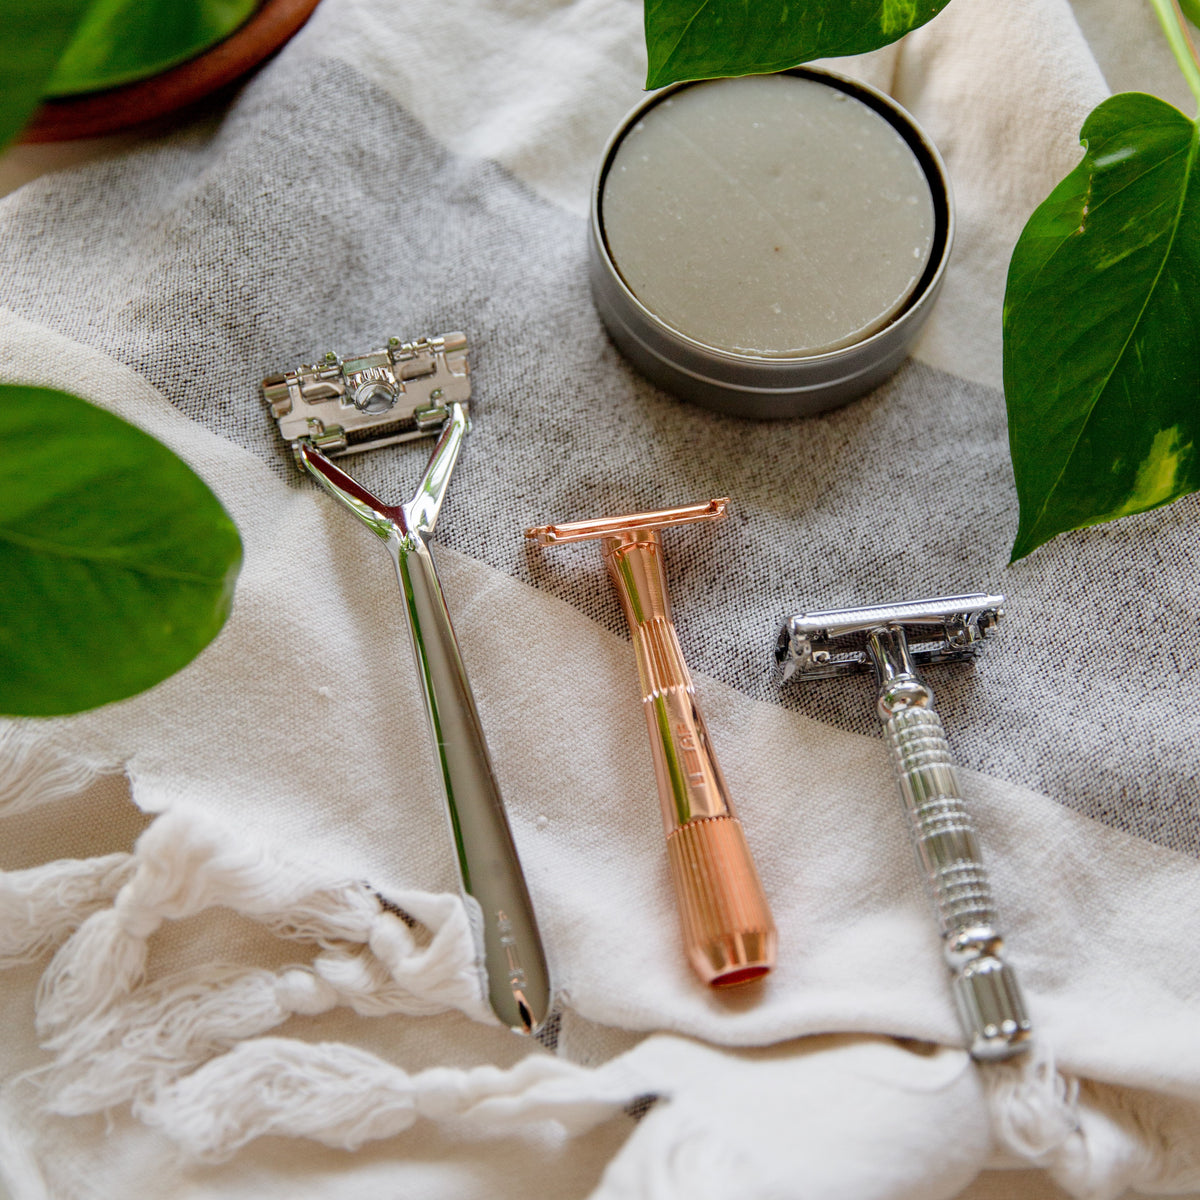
(33, 771)
(40, 907)
(1129, 1140)
(1033, 1107)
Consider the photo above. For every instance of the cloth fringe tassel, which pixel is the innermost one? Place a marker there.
(34, 772)
(1034, 1109)
(184, 864)
(117, 1038)
(174, 1025)
(1097, 1141)
(187, 1050)
(41, 906)
(1129, 1140)
(343, 1096)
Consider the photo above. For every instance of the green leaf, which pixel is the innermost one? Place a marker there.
(1191, 10)
(33, 36)
(117, 564)
(711, 39)
(123, 40)
(1102, 328)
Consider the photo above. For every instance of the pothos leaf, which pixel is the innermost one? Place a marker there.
(1102, 327)
(123, 40)
(32, 38)
(711, 39)
(117, 563)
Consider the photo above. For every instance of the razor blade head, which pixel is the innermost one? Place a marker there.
(348, 405)
(820, 645)
(615, 527)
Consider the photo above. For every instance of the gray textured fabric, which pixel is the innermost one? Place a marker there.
(320, 215)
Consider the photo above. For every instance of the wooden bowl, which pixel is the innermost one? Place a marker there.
(113, 109)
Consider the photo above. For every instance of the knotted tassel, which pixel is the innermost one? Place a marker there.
(447, 971)
(115, 1038)
(41, 906)
(169, 1027)
(1034, 1108)
(184, 863)
(173, 1026)
(342, 1096)
(101, 961)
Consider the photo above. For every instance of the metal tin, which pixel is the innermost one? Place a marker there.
(748, 385)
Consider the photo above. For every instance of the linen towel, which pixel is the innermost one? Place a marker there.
(238, 963)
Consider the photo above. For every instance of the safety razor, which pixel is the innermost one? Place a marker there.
(728, 931)
(891, 640)
(343, 406)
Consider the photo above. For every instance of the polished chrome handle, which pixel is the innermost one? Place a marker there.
(518, 979)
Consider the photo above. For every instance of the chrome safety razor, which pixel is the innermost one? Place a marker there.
(728, 931)
(410, 390)
(819, 645)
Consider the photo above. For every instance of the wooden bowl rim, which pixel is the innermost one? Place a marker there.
(97, 113)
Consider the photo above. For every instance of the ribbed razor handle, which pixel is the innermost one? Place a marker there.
(988, 998)
(727, 926)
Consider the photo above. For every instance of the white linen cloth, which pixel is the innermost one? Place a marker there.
(209, 990)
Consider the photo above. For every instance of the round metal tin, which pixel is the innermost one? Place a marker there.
(748, 385)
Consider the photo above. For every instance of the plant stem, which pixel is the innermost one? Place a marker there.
(1171, 19)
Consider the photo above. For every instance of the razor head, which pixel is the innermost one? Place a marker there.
(629, 523)
(397, 394)
(821, 645)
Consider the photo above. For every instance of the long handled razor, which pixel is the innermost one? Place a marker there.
(818, 645)
(728, 930)
(343, 406)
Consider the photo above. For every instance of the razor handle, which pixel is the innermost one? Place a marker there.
(518, 978)
(987, 996)
(728, 931)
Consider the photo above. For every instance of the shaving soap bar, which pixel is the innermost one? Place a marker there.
(771, 216)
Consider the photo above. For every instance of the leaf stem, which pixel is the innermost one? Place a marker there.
(1178, 38)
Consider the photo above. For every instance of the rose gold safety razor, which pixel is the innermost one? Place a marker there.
(728, 931)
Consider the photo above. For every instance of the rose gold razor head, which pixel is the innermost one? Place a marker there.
(728, 931)
(603, 527)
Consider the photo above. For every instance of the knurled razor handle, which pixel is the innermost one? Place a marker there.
(989, 1001)
(728, 932)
